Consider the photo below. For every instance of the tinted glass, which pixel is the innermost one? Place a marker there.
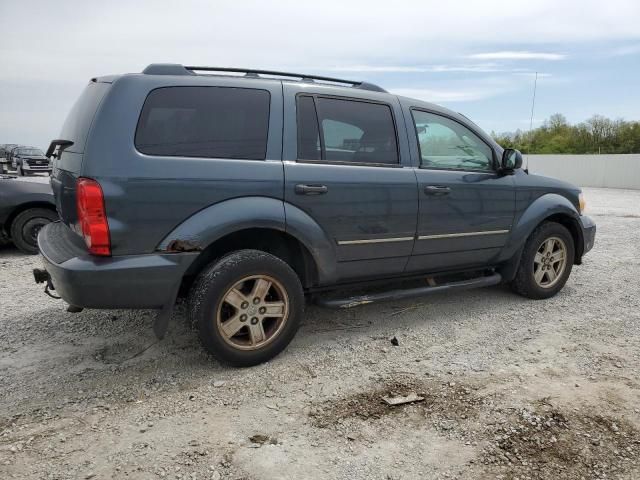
(214, 122)
(447, 144)
(77, 124)
(308, 135)
(352, 131)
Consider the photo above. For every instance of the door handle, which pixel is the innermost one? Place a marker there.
(437, 190)
(311, 189)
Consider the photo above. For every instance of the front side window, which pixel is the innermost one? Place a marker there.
(347, 131)
(215, 122)
(447, 144)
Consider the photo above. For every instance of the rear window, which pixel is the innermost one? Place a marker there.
(76, 126)
(214, 122)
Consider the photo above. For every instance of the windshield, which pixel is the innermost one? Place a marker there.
(30, 151)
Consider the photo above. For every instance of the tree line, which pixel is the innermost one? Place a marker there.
(598, 134)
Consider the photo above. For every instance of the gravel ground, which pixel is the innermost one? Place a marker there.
(512, 388)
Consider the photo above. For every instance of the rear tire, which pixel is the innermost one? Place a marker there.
(247, 307)
(546, 262)
(25, 228)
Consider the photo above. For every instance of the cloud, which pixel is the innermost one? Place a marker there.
(440, 68)
(533, 74)
(436, 95)
(626, 50)
(517, 55)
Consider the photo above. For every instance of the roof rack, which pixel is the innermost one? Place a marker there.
(177, 69)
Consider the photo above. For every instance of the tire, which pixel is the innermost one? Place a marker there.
(25, 228)
(531, 281)
(4, 239)
(224, 295)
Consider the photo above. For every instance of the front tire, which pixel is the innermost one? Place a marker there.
(247, 307)
(25, 228)
(546, 263)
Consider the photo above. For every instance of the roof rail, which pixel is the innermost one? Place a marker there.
(177, 69)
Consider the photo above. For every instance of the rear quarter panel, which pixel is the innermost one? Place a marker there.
(146, 197)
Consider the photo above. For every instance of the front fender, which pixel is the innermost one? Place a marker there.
(540, 209)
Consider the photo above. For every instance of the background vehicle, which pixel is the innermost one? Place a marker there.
(251, 192)
(27, 160)
(5, 163)
(26, 205)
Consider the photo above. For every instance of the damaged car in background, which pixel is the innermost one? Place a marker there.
(26, 205)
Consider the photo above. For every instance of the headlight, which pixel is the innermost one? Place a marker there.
(583, 203)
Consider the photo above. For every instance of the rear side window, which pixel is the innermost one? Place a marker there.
(350, 131)
(215, 122)
(76, 126)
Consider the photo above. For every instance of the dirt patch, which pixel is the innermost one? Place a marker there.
(539, 441)
(544, 442)
(454, 400)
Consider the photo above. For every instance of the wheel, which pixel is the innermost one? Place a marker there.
(546, 262)
(25, 228)
(247, 307)
(20, 172)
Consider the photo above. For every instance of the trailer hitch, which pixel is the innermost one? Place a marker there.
(42, 276)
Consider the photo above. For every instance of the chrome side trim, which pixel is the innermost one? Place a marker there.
(375, 240)
(466, 234)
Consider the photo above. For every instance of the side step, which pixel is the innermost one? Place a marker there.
(350, 302)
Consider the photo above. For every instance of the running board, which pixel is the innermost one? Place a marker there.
(350, 302)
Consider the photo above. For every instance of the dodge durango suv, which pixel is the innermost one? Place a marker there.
(253, 191)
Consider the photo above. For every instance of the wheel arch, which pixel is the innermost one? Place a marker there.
(547, 208)
(276, 242)
(261, 223)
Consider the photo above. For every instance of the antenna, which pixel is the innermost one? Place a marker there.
(533, 106)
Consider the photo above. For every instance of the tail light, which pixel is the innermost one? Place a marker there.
(92, 217)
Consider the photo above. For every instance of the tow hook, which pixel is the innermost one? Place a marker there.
(42, 276)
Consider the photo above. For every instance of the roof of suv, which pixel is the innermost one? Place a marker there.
(177, 69)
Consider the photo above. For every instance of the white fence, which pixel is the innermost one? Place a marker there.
(610, 171)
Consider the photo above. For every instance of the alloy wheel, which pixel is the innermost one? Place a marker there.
(252, 312)
(550, 262)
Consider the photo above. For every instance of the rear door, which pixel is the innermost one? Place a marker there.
(347, 166)
(466, 206)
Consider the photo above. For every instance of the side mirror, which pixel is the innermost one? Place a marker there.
(511, 160)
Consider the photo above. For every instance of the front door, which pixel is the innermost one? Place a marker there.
(349, 172)
(466, 206)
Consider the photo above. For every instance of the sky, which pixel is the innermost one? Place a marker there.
(476, 57)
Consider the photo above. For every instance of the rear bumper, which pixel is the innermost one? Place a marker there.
(588, 233)
(129, 281)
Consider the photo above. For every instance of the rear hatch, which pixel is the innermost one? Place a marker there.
(67, 167)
